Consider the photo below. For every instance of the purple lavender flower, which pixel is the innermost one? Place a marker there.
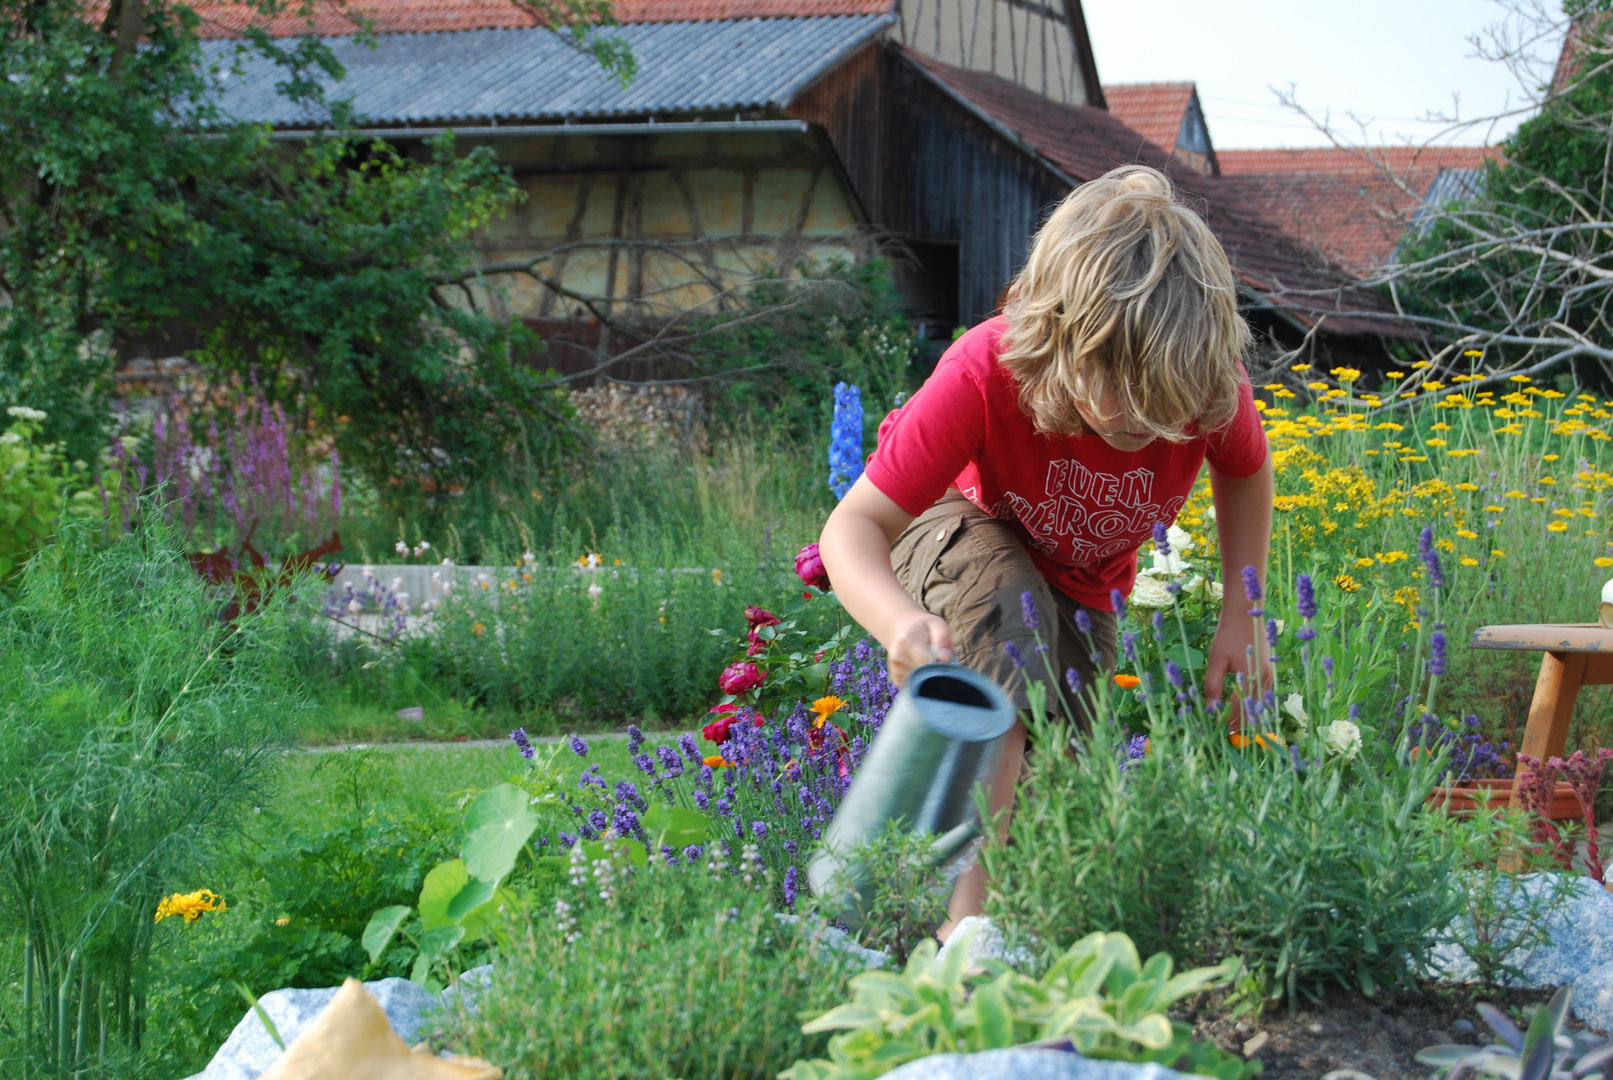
(1014, 654)
(1083, 621)
(1355, 712)
(1327, 666)
(1251, 589)
(627, 792)
(1436, 653)
(567, 840)
(1072, 678)
(518, 737)
(1118, 602)
(790, 847)
(1271, 632)
(635, 738)
(669, 855)
(701, 799)
(1162, 538)
(645, 763)
(626, 822)
(790, 877)
(759, 829)
(578, 746)
(1174, 674)
(1128, 645)
(693, 852)
(690, 748)
(1430, 557)
(1027, 610)
(597, 821)
(1158, 623)
(1305, 596)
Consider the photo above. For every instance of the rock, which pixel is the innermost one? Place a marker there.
(1580, 929)
(1315, 1027)
(417, 713)
(1025, 1064)
(1253, 1046)
(1348, 1074)
(839, 940)
(985, 940)
(1593, 997)
(468, 987)
(249, 1050)
(1463, 1027)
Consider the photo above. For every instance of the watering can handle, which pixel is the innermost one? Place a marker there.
(950, 843)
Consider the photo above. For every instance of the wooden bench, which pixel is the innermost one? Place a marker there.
(1576, 655)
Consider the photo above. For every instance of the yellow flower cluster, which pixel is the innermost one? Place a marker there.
(189, 906)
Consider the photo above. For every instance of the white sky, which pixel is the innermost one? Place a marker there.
(1392, 61)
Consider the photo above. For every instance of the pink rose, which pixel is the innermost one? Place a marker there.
(741, 678)
(809, 566)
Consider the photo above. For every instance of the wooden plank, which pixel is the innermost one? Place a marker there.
(1556, 690)
(1548, 637)
(1598, 670)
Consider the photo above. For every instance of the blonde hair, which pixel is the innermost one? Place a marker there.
(1126, 293)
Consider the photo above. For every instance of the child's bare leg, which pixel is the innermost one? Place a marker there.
(969, 894)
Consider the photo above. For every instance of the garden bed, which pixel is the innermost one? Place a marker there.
(1350, 1031)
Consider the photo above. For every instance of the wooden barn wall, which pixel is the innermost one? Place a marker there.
(928, 169)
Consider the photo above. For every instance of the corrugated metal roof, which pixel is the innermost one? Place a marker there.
(532, 74)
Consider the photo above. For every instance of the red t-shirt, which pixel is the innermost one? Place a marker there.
(1082, 506)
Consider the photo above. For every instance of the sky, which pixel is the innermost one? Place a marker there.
(1389, 61)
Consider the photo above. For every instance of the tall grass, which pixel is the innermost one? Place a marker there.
(133, 726)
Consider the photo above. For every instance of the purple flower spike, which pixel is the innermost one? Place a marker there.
(1072, 679)
(578, 746)
(1118, 602)
(1271, 632)
(1437, 653)
(635, 738)
(759, 829)
(1305, 594)
(1251, 584)
(1174, 673)
(1327, 666)
(518, 737)
(1027, 609)
(1014, 654)
(791, 876)
(1083, 621)
(1162, 538)
(1430, 558)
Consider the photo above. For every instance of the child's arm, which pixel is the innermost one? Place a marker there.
(1243, 524)
(855, 546)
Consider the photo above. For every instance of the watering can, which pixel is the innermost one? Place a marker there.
(941, 738)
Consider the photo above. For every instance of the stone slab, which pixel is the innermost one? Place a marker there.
(1024, 1064)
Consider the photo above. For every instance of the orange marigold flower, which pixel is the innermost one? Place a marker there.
(826, 707)
(1127, 682)
(716, 761)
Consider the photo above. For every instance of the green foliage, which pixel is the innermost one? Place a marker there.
(134, 727)
(1099, 996)
(907, 896)
(1546, 1048)
(1307, 858)
(36, 488)
(656, 971)
(1503, 920)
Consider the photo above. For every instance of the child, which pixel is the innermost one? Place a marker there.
(1044, 448)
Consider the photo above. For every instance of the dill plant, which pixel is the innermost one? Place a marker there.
(134, 726)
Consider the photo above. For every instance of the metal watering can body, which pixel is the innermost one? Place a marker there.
(941, 739)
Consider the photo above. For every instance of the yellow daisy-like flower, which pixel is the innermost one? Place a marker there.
(1363, 562)
(1307, 367)
(189, 906)
(1347, 583)
(1498, 553)
(1433, 442)
(1603, 562)
(1473, 352)
(1549, 457)
(1520, 379)
(478, 629)
(1465, 486)
(1467, 534)
(1515, 494)
(1492, 509)
(1557, 526)
(1466, 561)
(826, 707)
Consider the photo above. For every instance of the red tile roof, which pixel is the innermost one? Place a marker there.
(1350, 207)
(1153, 110)
(223, 18)
(1335, 161)
(1085, 142)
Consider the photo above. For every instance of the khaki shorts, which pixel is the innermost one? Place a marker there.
(971, 569)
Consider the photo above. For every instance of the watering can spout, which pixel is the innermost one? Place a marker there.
(951, 844)
(938, 745)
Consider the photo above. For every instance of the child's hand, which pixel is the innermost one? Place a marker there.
(1229, 657)
(917, 639)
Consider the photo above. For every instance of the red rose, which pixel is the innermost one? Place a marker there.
(741, 678)
(809, 567)
(756, 616)
(717, 730)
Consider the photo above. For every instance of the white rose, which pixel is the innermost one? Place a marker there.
(1180, 543)
(1294, 705)
(1607, 592)
(1342, 737)
(1200, 589)
(1149, 592)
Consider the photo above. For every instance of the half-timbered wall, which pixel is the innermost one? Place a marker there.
(1026, 41)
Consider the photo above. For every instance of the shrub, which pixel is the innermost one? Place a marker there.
(660, 971)
(36, 487)
(134, 725)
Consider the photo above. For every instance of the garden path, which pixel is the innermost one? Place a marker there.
(460, 744)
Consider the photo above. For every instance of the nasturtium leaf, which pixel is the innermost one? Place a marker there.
(675, 826)
(594, 850)
(383, 926)
(438, 890)
(439, 942)
(473, 895)
(498, 824)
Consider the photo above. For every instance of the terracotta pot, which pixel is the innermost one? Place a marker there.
(1564, 806)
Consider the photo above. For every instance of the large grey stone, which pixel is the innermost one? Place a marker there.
(1593, 997)
(249, 1050)
(467, 988)
(1025, 1064)
(984, 941)
(1580, 930)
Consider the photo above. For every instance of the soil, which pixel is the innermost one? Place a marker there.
(1349, 1031)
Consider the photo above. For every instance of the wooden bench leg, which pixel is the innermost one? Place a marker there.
(1556, 690)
